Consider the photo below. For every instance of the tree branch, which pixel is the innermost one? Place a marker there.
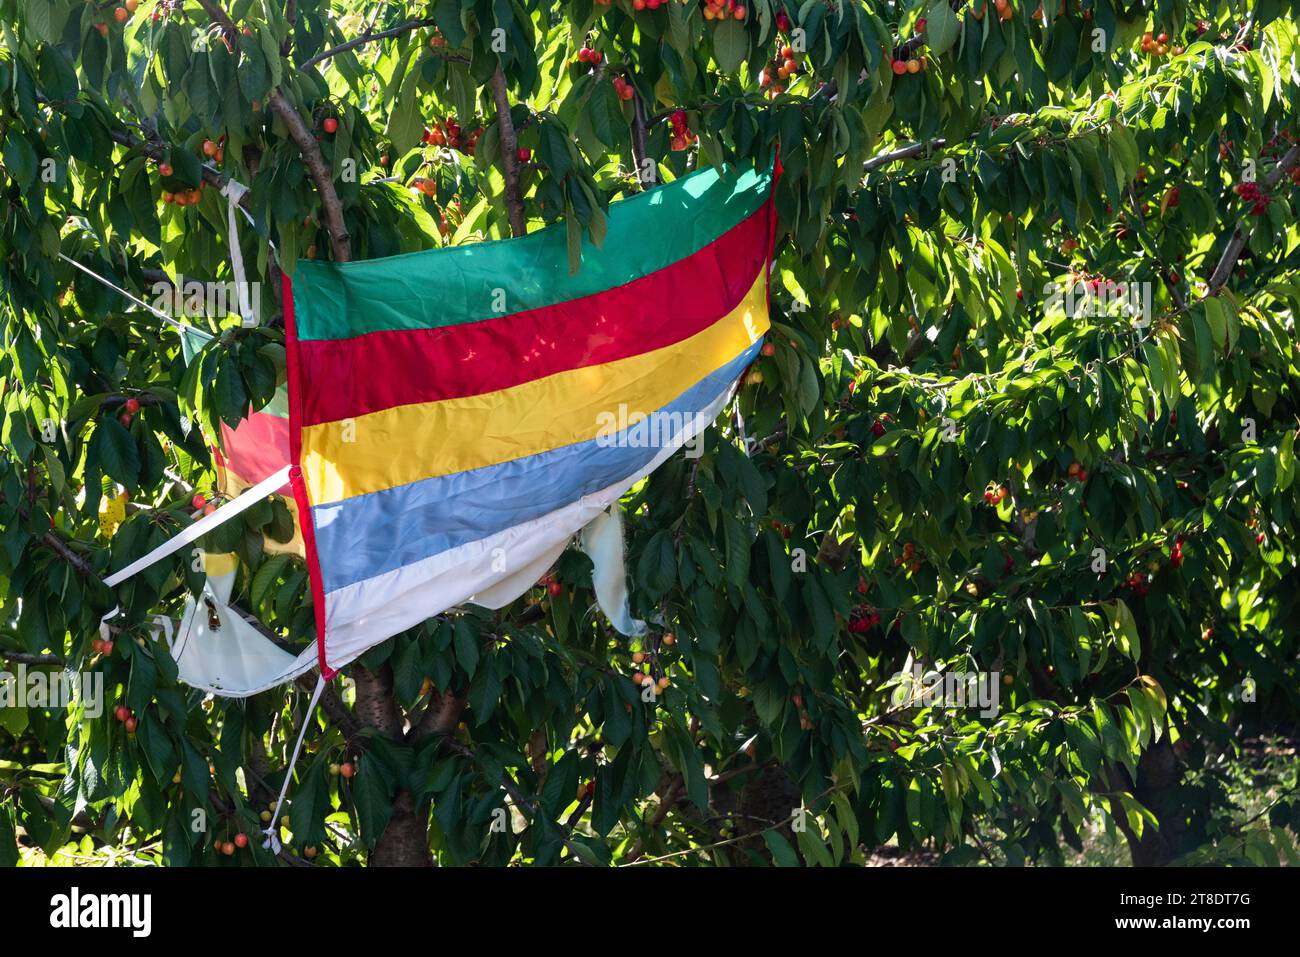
(638, 140)
(317, 168)
(907, 152)
(22, 658)
(441, 716)
(509, 155)
(156, 150)
(320, 173)
(1238, 241)
(219, 16)
(291, 18)
(367, 37)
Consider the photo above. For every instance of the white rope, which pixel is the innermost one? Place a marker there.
(122, 292)
(200, 528)
(272, 841)
(234, 192)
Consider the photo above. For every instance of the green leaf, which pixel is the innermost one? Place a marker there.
(1125, 629)
(941, 27)
(267, 575)
(310, 805)
(405, 123)
(1286, 461)
(783, 854)
(373, 802)
(20, 159)
(466, 643)
(730, 44)
(117, 452)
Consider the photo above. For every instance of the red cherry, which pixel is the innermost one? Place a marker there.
(877, 429)
(524, 154)
(131, 724)
(241, 839)
(899, 67)
(122, 712)
(555, 588)
(133, 405)
(331, 125)
(347, 769)
(198, 501)
(769, 349)
(1259, 538)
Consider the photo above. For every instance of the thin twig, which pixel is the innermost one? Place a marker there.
(367, 37)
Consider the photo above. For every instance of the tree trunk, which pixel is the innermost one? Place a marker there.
(1157, 789)
(405, 841)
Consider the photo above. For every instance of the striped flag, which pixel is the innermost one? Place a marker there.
(457, 415)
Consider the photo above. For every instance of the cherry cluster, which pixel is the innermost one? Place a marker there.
(623, 88)
(124, 715)
(449, 133)
(1252, 194)
(715, 9)
(682, 133)
(863, 618)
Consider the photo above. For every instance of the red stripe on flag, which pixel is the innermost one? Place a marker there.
(402, 367)
(306, 522)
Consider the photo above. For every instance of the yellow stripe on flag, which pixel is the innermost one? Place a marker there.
(408, 443)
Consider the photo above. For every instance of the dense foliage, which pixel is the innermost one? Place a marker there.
(949, 463)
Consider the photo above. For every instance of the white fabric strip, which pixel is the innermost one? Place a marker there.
(234, 192)
(204, 525)
(602, 540)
